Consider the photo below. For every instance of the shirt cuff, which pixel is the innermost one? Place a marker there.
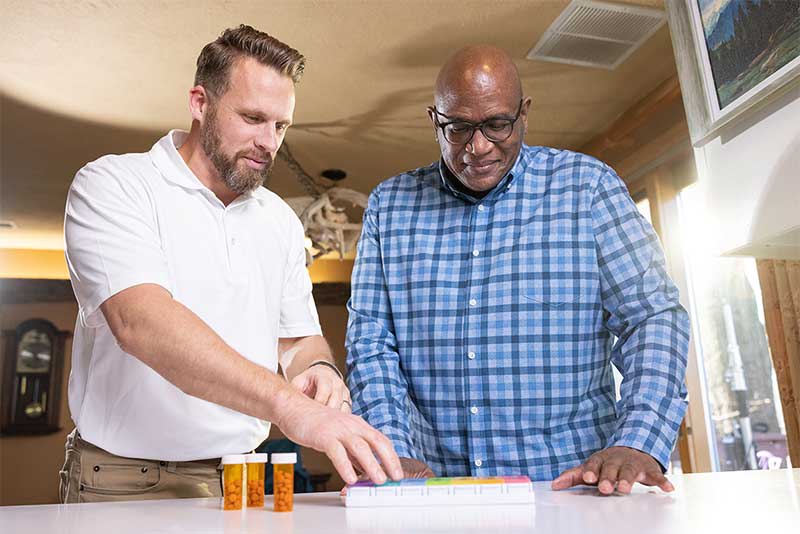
(401, 442)
(644, 435)
(299, 330)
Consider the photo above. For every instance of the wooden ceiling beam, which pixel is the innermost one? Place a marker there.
(620, 131)
(654, 149)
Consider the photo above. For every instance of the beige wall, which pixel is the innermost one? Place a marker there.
(29, 465)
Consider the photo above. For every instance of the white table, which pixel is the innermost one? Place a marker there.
(719, 503)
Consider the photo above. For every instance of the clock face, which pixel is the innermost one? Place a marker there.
(34, 352)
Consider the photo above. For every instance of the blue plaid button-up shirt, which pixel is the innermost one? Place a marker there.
(481, 331)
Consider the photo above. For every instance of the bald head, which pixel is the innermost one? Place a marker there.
(477, 69)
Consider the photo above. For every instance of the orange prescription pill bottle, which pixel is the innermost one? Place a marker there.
(255, 479)
(232, 475)
(283, 480)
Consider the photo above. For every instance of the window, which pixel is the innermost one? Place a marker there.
(746, 421)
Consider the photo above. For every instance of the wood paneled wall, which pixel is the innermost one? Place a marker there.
(780, 290)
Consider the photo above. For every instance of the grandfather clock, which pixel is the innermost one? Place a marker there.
(33, 364)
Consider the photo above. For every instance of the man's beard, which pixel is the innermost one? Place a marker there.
(239, 180)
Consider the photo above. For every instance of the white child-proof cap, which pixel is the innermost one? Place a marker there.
(284, 457)
(232, 459)
(257, 458)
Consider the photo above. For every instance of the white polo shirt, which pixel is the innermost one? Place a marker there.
(146, 218)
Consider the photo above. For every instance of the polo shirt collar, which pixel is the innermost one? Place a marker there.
(169, 162)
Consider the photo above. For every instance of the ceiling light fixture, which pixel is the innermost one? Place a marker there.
(336, 175)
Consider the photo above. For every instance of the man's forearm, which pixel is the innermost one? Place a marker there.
(178, 345)
(169, 338)
(296, 354)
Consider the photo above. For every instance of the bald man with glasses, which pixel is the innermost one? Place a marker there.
(491, 294)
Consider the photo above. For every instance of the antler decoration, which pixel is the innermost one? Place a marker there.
(324, 212)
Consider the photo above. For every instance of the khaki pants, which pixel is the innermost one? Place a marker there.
(91, 474)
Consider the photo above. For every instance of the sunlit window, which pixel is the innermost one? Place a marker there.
(747, 426)
(643, 206)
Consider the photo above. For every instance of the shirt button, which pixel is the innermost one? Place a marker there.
(473, 410)
(233, 241)
(510, 187)
(471, 355)
(481, 207)
(473, 302)
(478, 463)
(476, 253)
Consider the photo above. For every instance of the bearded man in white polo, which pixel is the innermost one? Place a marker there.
(191, 283)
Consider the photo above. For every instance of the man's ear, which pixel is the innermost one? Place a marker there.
(198, 102)
(523, 114)
(432, 117)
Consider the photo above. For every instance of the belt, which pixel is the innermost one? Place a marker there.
(213, 462)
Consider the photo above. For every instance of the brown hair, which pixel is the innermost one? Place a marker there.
(215, 60)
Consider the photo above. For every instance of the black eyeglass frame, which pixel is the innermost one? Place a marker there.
(476, 125)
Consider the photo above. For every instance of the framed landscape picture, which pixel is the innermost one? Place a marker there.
(744, 50)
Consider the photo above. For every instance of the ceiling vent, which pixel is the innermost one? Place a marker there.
(597, 34)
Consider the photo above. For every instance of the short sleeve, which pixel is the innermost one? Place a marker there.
(298, 311)
(111, 236)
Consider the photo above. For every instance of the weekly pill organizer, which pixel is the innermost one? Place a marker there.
(433, 491)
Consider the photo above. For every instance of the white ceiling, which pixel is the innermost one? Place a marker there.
(80, 79)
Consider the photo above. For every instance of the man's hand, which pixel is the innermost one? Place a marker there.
(321, 383)
(411, 469)
(345, 438)
(615, 466)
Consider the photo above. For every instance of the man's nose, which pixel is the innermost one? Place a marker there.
(268, 139)
(479, 144)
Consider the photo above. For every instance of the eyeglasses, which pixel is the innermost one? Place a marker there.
(460, 132)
